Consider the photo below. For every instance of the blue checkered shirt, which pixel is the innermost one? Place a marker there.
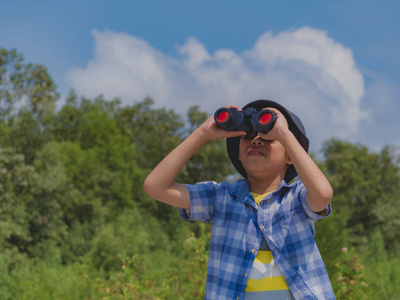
(283, 218)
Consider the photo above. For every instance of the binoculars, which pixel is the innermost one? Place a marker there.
(249, 120)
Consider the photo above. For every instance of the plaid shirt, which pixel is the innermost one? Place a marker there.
(284, 219)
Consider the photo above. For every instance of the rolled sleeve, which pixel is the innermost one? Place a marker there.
(313, 216)
(203, 197)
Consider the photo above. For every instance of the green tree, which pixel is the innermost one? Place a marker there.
(366, 190)
(103, 160)
(17, 194)
(154, 132)
(25, 85)
(26, 135)
(27, 98)
(67, 122)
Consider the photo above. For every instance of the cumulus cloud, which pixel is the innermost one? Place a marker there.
(304, 69)
(123, 66)
(381, 126)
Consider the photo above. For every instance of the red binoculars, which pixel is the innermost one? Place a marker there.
(249, 120)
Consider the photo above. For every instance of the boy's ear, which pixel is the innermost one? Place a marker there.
(289, 161)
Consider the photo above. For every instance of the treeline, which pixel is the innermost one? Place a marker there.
(76, 224)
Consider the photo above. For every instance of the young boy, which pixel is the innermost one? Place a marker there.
(262, 242)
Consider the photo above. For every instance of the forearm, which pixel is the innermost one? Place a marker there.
(160, 184)
(319, 190)
(168, 169)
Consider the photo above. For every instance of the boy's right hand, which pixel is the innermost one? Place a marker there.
(209, 130)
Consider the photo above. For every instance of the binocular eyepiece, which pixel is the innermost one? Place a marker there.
(249, 120)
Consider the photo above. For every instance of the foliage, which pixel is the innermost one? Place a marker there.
(25, 85)
(195, 279)
(350, 277)
(366, 190)
(76, 224)
(133, 282)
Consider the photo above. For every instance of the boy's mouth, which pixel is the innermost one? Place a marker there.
(255, 152)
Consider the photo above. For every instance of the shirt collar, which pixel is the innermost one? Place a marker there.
(241, 190)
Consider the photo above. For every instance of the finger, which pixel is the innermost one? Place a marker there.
(266, 136)
(235, 133)
(233, 106)
(277, 113)
(274, 110)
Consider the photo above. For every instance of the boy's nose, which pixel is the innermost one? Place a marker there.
(257, 141)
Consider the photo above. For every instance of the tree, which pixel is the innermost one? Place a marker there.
(366, 190)
(27, 97)
(17, 192)
(67, 122)
(17, 182)
(28, 85)
(103, 160)
(26, 135)
(154, 132)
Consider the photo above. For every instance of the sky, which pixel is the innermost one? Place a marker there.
(333, 63)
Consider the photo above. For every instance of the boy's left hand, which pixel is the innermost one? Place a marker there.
(281, 125)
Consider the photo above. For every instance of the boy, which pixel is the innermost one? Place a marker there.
(262, 241)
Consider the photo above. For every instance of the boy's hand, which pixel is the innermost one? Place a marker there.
(210, 131)
(280, 127)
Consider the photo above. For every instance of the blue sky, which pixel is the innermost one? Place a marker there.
(335, 63)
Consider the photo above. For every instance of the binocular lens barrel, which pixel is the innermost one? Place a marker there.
(230, 119)
(263, 121)
(247, 120)
(223, 116)
(265, 118)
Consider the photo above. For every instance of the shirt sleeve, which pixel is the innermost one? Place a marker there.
(203, 198)
(313, 216)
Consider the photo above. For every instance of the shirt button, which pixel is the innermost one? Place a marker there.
(261, 226)
(245, 275)
(253, 250)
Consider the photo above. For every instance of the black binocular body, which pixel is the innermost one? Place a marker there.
(249, 120)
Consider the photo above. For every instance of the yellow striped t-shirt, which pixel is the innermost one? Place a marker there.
(265, 279)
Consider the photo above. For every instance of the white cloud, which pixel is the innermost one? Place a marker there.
(382, 125)
(123, 66)
(304, 69)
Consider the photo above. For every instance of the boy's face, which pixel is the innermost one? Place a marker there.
(259, 156)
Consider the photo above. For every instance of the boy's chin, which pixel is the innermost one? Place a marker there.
(255, 169)
(258, 170)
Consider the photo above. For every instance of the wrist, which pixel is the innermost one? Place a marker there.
(284, 132)
(201, 136)
(286, 136)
